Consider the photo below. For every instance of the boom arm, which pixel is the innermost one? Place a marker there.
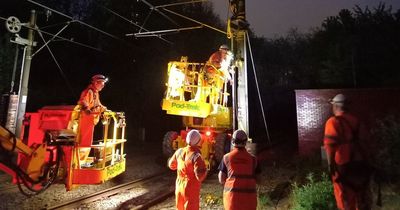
(10, 143)
(34, 162)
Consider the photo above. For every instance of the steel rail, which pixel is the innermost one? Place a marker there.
(77, 202)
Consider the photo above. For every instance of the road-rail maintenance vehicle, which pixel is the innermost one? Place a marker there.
(56, 146)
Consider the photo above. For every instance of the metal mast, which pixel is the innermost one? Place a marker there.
(23, 95)
(237, 29)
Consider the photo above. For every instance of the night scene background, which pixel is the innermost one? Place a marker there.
(357, 47)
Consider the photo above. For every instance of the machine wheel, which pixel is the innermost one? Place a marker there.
(167, 148)
(222, 146)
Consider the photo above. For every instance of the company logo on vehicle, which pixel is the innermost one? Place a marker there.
(115, 170)
(185, 106)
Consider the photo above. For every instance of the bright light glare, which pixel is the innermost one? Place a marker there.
(175, 81)
(225, 65)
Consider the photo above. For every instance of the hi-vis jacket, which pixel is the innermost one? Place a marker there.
(240, 185)
(191, 171)
(90, 99)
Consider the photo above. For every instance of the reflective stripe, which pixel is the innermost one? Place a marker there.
(179, 153)
(195, 156)
(227, 161)
(241, 190)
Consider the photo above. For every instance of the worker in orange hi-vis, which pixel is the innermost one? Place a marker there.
(191, 171)
(346, 151)
(237, 172)
(90, 99)
(88, 112)
(217, 72)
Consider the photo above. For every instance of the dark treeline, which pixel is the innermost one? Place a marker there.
(357, 48)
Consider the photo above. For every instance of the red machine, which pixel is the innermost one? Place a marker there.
(56, 145)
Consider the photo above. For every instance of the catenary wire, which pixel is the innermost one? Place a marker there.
(258, 88)
(203, 24)
(131, 22)
(60, 37)
(75, 20)
(58, 65)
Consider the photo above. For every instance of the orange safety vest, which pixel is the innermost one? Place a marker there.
(90, 98)
(340, 135)
(240, 185)
(191, 171)
(339, 138)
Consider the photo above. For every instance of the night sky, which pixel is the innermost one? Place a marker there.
(275, 17)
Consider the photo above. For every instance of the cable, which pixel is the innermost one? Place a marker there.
(65, 39)
(179, 3)
(46, 43)
(159, 12)
(156, 33)
(60, 37)
(58, 65)
(258, 88)
(203, 24)
(131, 22)
(75, 20)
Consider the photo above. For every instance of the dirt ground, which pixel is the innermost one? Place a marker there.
(274, 185)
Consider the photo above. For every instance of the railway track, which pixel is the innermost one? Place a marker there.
(5, 184)
(150, 190)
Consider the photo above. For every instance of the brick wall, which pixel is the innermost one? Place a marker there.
(313, 110)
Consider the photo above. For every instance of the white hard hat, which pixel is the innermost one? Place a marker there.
(193, 137)
(239, 138)
(99, 77)
(338, 99)
(224, 47)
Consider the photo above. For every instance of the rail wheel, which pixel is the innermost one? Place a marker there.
(169, 137)
(222, 146)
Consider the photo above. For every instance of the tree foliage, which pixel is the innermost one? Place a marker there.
(358, 48)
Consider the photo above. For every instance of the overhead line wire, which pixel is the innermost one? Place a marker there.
(188, 18)
(258, 89)
(158, 11)
(76, 20)
(179, 3)
(52, 38)
(154, 33)
(65, 39)
(58, 65)
(60, 37)
(131, 22)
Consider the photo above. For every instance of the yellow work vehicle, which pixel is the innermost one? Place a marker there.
(203, 105)
(204, 102)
